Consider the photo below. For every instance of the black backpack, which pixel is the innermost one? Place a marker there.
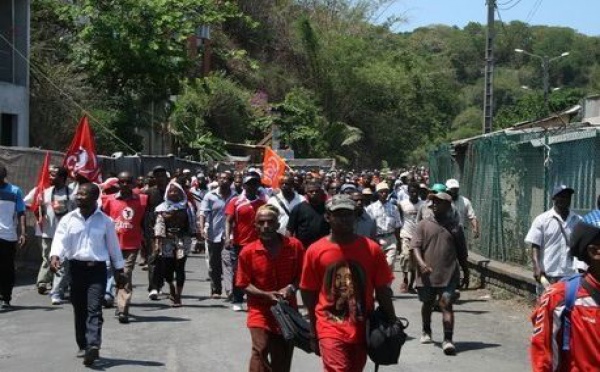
(294, 328)
(385, 339)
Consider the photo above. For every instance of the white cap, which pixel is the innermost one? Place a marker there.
(452, 184)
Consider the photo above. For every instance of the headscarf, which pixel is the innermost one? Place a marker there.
(169, 205)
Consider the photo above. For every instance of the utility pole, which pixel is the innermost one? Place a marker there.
(488, 99)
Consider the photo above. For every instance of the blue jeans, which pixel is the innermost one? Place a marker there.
(87, 292)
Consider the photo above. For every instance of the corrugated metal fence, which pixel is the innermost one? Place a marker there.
(509, 177)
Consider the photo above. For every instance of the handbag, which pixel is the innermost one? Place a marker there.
(294, 328)
(385, 339)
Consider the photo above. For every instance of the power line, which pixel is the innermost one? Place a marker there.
(506, 6)
(533, 10)
(40, 73)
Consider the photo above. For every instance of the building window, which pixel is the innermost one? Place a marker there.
(8, 130)
(7, 26)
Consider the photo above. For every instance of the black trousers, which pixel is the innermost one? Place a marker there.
(88, 283)
(238, 293)
(215, 267)
(156, 270)
(174, 270)
(7, 268)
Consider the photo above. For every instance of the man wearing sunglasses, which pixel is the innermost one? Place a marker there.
(127, 210)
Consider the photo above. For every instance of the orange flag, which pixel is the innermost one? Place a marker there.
(273, 168)
(81, 157)
(43, 182)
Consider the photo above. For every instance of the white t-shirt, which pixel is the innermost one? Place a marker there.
(278, 200)
(409, 217)
(465, 210)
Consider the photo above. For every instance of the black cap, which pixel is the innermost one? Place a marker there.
(584, 233)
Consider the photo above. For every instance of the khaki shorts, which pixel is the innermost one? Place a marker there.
(406, 260)
(388, 245)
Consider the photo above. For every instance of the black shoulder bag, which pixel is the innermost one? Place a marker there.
(294, 327)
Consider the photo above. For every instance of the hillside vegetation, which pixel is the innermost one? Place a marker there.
(337, 80)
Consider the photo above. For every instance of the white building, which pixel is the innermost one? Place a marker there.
(14, 73)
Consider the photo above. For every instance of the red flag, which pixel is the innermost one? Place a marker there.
(273, 168)
(81, 157)
(43, 182)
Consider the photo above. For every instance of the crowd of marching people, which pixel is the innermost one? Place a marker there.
(333, 238)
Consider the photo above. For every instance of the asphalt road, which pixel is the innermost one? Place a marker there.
(205, 335)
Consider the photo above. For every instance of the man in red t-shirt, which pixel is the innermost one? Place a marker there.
(239, 225)
(269, 269)
(127, 209)
(342, 275)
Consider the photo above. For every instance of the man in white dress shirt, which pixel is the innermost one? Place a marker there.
(549, 237)
(86, 237)
(387, 217)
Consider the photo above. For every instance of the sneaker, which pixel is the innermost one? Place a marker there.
(42, 289)
(237, 307)
(426, 338)
(448, 347)
(109, 301)
(123, 318)
(153, 295)
(91, 355)
(215, 296)
(80, 353)
(5, 305)
(404, 288)
(455, 295)
(56, 300)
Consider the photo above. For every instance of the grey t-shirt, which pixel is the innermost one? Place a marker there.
(441, 246)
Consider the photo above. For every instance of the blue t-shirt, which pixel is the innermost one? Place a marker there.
(11, 203)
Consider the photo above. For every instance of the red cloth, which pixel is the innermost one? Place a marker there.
(127, 215)
(273, 168)
(546, 342)
(339, 356)
(243, 212)
(81, 158)
(345, 277)
(43, 182)
(266, 273)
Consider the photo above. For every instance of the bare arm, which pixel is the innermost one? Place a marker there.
(421, 264)
(475, 227)
(309, 299)
(22, 231)
(535, 259)
(201, 224)
(228, 228)
(285, 292)
(384, 298)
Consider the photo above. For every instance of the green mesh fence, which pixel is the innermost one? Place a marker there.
(509, 177)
